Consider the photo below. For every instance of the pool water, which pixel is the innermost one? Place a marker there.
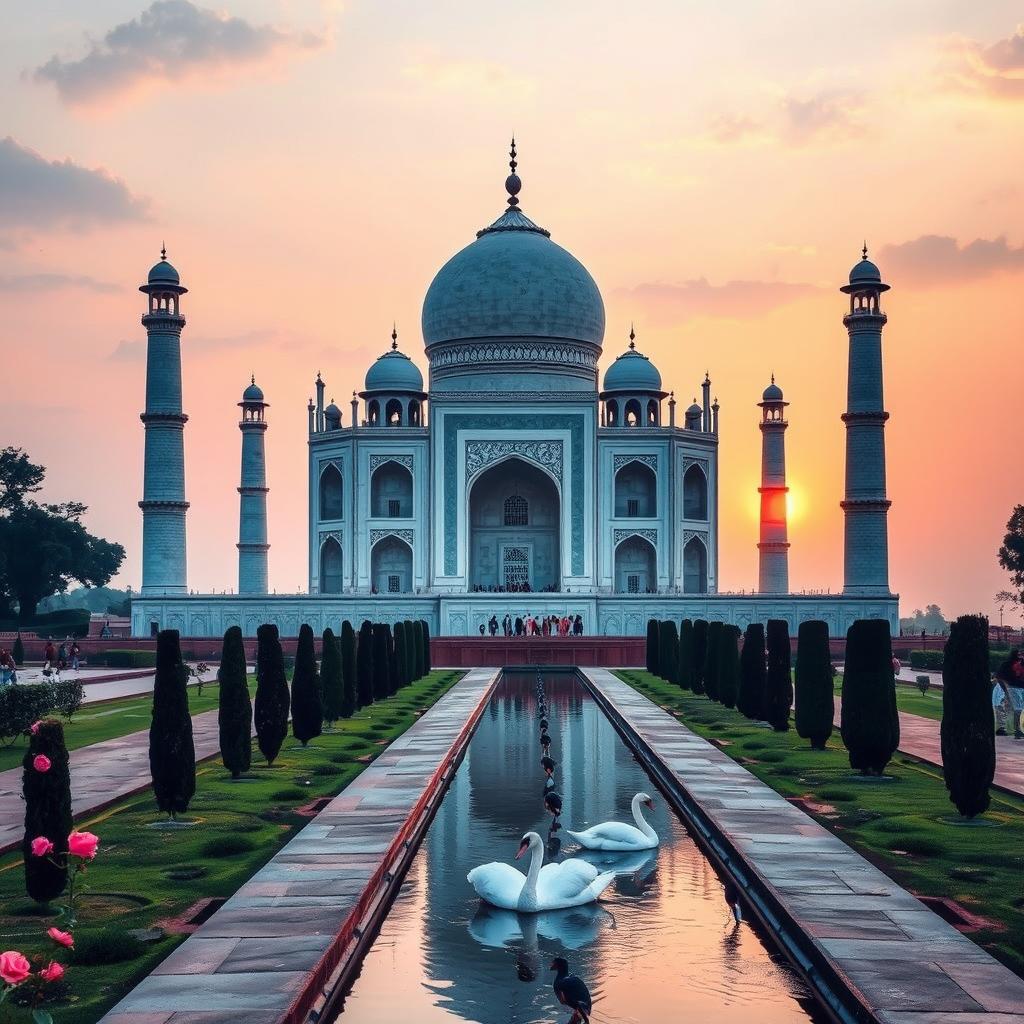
(661, 943)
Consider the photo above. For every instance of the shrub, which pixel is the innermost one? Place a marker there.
(699, 650)
(106, 946)
(668, 652)
(364, 664)
(307, 706)
(426, 647)
(728, 665)
(332, 685)
(653, 647)
(968, 739)
(711, 656)
(125, 659)
(18, 651)
(229, 845)
(750, 699)
(684, 659)
(926, 659)
(778, 688)
(870, 724)
(924, 684)
(172, 754)
(417, 646)
(401, 654)
(271, 710)
(815, 698)
(348, 670)
(22, 705)
(67, 697)
(234, 711)
(47, 796)
(382, 650)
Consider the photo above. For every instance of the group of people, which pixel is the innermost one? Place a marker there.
(8, 669)
(1008, 694)
(529, 625)
(56, 659)
(513, 588)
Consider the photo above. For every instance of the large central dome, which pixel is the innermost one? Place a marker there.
(516, 299)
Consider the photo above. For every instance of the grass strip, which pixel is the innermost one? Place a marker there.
(906, 827)
(143, 875)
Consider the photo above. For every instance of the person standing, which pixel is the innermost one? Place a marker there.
(506, 624)
(1007, 676)
(1016, 688)
(49, 654)
(75, 652)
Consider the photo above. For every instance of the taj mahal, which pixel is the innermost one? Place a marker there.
(516, 480)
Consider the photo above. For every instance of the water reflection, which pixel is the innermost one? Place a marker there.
(661, 943)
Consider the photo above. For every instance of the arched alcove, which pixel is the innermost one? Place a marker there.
(695, 567)
(695, 494)
(636, 567)
(636, 491)
(331, 567)
(414, 412)
(393, 413)
(514, 529)
(331, 493)
(611, 413)
(632, 413)
(652, 413)
(373, 412)
(391, 492)
(391, 566)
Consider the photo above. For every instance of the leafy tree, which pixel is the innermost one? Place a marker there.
(382, 648)
(47, 797)
(684, 660)
(728, 665)
(653, 647)
(700, 647)
(426, 647)
(307, 705)
(234, 714)
(931, 620)
(172, 754)
(815, 701)
(778, 689)
(18, 477)
(968, 738)
(348, 670)
(869, 722)
(272, 697)
(332, 684)
(1011, 552)
(711, 655)
(401, 655)
(753, 673)
(668, 653)
(364, 665)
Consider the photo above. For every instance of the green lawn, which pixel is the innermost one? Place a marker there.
(911, 701)
(142, 875)
(907, 827)
(106, 721)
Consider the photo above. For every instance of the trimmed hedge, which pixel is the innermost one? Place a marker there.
(348, 670)
(728, 665)
(684, 664)
(778, 690)
(47, 797)
(932, 661)
(699, 651)
(753, 673)
(172, 753)
(668, 653)
(272, 697)
(815, 697)
(124, 659)
(426, 647)
(307, 705)
(653, 647)
(711, 655)
(870, 722)
(364, 665)
(234, 712)
(332, 689)
(23, 704)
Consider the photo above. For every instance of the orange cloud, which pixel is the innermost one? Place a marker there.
(939, 259)
(997, 70)
(829, 116)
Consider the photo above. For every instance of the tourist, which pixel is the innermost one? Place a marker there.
(1016, 689)
(493, 625)
(49, 655)
(506, 624)
(1002, 701)
(482, 629)
(577, 626)
(75, 652)
(519, 626)
(7, 667)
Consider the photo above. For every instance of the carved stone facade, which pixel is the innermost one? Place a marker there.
(649, 535)
(377, 461)
(481, 454)
(406, 535)
(618, 461)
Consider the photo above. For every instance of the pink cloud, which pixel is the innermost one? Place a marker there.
(940, 259)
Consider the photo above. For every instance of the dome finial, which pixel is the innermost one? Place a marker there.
(864, 250)
(512, 182)
(394, 336)
(632, 337)
(252, 378)
(773, 378)
(163, 251)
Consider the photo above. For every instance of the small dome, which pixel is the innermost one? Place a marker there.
(865, 272)
(163, 273)
(332, 412)
(772, 393)
(632, 371)
(253, 393)
(394, 371)
(694, 410)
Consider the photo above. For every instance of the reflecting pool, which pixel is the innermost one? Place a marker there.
(660, 945)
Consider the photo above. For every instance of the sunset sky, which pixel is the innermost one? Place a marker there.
(716, 167)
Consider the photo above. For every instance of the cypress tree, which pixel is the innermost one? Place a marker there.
(271, 710)
(172, 754)
(402, 667)
(18, 651)
(307, 705)
(870, 723)
(234, 711)
(699, 651)
(417, 643)
(349, 699)
(426, 648)
(653, 646)
(750, 699)
(668, 655)
(968, 738)
(381, 660)
(815, 706)
(778, 687)
(47, 797)
(332, 684)
(728, 665)
(711, 655)
(364, 665)
(410, 653)
(684, 661)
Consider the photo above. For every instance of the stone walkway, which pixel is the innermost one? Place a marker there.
(267, 954)
(905, 963)
(100, 684)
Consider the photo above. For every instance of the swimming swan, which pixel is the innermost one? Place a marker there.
(551, 887)
(617, 835)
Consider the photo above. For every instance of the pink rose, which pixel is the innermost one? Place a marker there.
(34, 728)
(41, 763)
(41, 846)
(83, 844)
(14, 967)
(52, 972)
(61, 938)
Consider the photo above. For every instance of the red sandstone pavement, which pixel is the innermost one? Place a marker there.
(919, 737)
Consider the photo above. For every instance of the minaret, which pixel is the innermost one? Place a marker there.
(163, 491)
(706, 402)
(866, 508)
(252, 516)
(773, 546)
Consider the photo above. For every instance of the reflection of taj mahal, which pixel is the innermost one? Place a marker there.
(512, 483)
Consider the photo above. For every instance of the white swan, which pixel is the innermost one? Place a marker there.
(617, 835)
(551, 887)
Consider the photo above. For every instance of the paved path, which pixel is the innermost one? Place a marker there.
(101, 684)
(919, 737)
(267, 953)
(907, 965)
